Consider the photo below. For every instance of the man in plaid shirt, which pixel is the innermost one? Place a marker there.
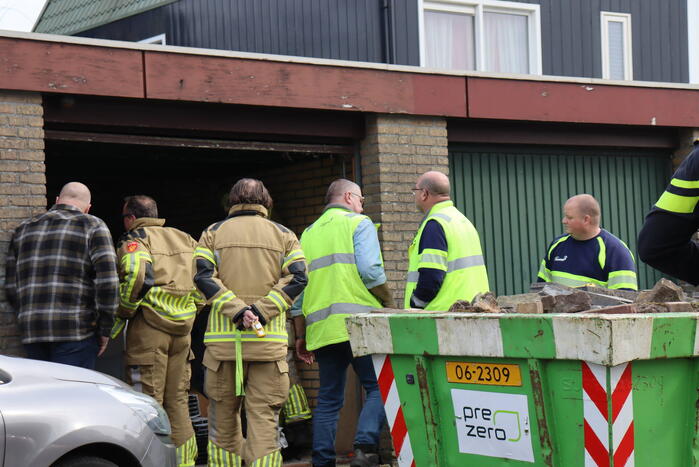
(61, 280)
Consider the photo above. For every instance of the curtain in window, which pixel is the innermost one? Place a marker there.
(449, 41)
(506, 43)
(615, 34)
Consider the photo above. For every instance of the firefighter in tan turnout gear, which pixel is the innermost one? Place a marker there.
(159, 300)
(250, 270)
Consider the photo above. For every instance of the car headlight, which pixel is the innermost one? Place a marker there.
(144, 406)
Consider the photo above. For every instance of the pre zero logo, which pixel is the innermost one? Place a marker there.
(493, 424)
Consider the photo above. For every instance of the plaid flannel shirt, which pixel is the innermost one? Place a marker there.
(61, 276)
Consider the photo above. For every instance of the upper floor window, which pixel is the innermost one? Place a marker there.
(159, 39)
(616, 46)
(484, 35)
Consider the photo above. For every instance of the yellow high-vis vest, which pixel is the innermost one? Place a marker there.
(465, 270)
(335, 290)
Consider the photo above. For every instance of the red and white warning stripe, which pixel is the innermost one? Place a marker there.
(597, 417)
(622, 415)
(394, 411)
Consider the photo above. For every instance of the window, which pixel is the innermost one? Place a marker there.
(159, 39)
(616, 46)
(483, 35)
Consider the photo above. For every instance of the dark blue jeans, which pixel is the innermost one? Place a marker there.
(76, 353)
(333, 361)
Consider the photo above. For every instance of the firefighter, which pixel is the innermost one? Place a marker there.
(159, 300)
(250, 270)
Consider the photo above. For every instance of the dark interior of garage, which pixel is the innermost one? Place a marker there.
(190, 185)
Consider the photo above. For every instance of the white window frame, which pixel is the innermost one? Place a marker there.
(693, 39)
(160, 39)
(607, 17)
(477, 8)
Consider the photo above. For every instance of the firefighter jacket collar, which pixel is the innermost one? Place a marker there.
(147, 222)
(248, 209)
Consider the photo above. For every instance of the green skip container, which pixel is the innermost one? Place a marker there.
(585, 389)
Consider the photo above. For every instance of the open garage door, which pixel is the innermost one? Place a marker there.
(190, 181)
(514, 196)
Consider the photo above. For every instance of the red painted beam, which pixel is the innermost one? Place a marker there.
(27, 65)
(581, 103)
(281, 84)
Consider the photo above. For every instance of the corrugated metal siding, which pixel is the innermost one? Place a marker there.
(337, 29)
(571, 37)
(515, 197)
(355, 30)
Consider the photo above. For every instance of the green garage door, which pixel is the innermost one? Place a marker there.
(514, 196)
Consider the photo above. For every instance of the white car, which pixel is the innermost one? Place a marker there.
(63, 416)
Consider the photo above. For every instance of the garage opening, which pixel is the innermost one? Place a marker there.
(190, 181)
(191, 184)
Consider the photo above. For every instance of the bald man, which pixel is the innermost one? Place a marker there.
(587, 254)
(445, 259)
(61, 281)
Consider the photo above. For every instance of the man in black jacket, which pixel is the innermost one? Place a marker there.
(665, 241)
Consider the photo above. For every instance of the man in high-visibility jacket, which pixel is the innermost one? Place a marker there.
(159, 300)
(587, 254)
(346, 277)
(666, 238)
(445, 259)
(250, 270)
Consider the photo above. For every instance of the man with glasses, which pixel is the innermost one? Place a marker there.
(445, 259)
(61, 280)
(346, 276)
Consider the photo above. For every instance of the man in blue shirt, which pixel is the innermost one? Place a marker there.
(587, 254)
(365, 278)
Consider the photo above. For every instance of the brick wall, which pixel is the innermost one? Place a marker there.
(395, 151)
(299, 190)
(22, 186)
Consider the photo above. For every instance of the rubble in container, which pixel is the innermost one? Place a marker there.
(547, 297)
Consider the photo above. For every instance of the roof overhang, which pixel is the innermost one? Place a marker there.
(68, 65)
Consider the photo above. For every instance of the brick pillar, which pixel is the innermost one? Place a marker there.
(22, 186)
(395, 151)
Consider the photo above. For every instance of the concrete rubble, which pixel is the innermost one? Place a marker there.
(546, 297)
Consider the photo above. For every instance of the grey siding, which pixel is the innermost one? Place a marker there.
(337, 29)
(571, 37)
(386, 31)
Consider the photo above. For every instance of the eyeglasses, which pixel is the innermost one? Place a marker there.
(417, 189)
(126, 215)
(361, 198)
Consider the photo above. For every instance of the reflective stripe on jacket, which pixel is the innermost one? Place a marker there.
(616, 278)
(335, 289)
(465, 269)
(244, 260)
(155, 272)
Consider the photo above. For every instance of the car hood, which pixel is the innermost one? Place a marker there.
(23, 369)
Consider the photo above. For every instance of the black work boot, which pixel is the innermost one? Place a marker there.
(365, 456)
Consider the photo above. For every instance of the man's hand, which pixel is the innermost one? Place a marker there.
(248, 318)
(104, 340)
(305, 355)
